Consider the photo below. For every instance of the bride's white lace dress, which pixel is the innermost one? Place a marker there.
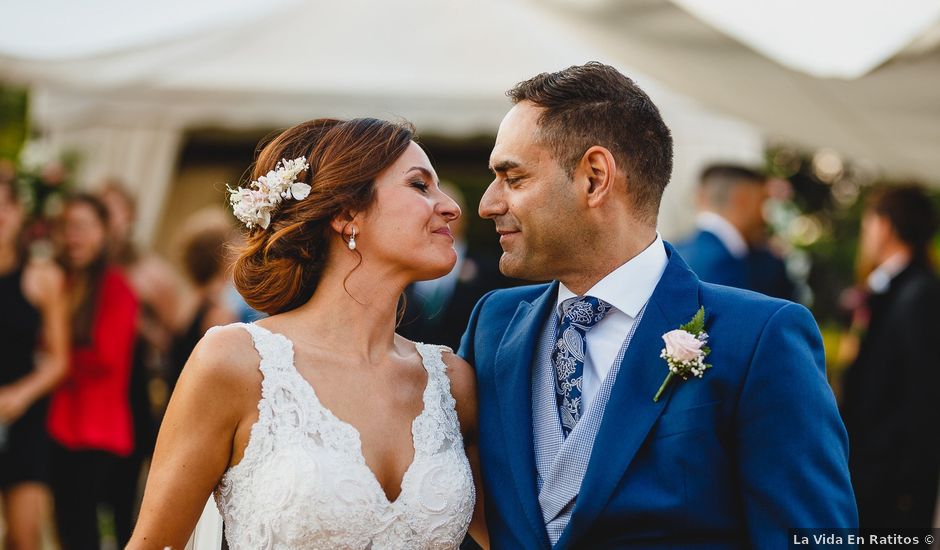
(303, 482)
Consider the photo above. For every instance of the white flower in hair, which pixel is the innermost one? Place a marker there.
(254, 204)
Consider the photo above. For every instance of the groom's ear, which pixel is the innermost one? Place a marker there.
(599, 169)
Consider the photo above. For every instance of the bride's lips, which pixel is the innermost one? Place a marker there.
(445, 231)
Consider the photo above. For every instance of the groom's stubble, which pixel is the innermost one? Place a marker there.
(533, 197)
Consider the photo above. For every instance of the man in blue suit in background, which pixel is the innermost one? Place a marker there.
(582, 443)
(727, 247)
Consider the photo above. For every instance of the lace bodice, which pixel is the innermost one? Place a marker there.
(303, 482)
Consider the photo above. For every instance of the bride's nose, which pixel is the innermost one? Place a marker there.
(448, 208)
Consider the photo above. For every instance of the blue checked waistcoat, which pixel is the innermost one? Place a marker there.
(562, 462)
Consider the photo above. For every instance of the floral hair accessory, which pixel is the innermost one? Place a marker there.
(254, 203)
(685, 351)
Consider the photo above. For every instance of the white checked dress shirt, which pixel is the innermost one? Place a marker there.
(627, 288)
(562, 462)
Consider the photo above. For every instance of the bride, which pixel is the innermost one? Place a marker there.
(319, 427)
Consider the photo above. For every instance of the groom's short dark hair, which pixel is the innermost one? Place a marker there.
(595, 104)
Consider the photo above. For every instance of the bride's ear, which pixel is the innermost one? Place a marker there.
(343, 222)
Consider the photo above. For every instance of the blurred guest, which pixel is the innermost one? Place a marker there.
(157, 290)
(767, 273)
(438, 310)
(244, 312)
(728, 247)
(154, 280)
(892, 391)
(205, 258)
(89, 414)
(235, 301)
(34, 319)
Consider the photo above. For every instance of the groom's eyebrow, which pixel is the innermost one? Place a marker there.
(503, 166)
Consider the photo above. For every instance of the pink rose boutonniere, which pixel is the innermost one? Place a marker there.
(685, 351)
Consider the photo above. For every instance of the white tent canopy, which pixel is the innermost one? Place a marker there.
(890, 115)
(421, 56)
(443, 65)
(826, 39)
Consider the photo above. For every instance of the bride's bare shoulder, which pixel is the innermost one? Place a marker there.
(462, 375)
(225, 355)
(220, 383)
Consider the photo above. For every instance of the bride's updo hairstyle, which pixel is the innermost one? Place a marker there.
(279, 267)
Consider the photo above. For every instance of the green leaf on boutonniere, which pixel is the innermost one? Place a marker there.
(697, 325)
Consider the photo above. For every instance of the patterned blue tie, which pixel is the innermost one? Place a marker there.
(581, 314)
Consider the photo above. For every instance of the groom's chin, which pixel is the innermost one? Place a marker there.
(509, 267)
(513, 267)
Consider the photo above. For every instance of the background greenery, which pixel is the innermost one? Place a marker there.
(13, 121)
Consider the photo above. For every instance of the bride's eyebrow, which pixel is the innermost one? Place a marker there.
(424, 171)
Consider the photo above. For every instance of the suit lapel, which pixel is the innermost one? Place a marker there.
(631, 412)
(513, 371)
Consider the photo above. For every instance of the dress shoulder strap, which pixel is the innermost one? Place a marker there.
(280, 390)
(275, 350)
(439, 402)
(432, 358)
(276, 353)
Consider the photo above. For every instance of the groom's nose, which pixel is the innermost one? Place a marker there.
(492, 203)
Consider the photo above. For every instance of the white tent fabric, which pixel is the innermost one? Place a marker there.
(57, 29)
(443, 65)
(823, 38)
(889, 116)
(420, 56)
(143, 156)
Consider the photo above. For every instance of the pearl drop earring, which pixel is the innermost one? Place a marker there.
(352, 240)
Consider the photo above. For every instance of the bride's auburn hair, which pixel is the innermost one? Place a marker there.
(279, 267)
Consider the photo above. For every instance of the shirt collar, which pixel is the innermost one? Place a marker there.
(630, 286)
(727, 233)
(880, 279)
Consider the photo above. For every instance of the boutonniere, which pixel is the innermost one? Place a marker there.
(685, 351)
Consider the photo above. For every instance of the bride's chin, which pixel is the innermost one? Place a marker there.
(429, 272)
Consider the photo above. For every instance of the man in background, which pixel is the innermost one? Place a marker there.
(891, 397)
(729, 247)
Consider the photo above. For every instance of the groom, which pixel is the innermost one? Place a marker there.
(576, 452)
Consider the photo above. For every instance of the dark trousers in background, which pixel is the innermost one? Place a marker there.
(121, 494)
(122, 486)
(78, 485)
(893, 493)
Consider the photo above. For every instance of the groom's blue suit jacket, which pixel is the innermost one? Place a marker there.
(730, 460)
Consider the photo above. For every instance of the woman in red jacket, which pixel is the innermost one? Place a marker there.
(89, 415)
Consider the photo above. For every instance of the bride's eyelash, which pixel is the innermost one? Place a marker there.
(419, 184)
